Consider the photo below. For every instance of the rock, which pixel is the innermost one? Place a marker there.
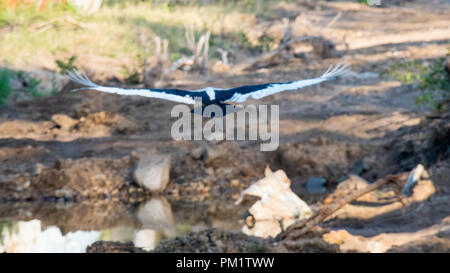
(217, 153)
(64, 121)
(336, 236)
(278, 207)
(153, 172)
(351, 184)
(124, 125)
(197, 153)
(316, 185)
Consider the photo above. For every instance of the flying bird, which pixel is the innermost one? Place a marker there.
(211, 95)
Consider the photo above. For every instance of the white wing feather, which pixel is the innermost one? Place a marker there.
(84, 80)
(331, 73)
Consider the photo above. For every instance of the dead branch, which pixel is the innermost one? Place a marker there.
(183, 61)
(200, 49)
(189, 35)
(299, 228)
(49, 24)
(223, 55)
(158, 63)
(205, 51)
(334, 20)
(266, 58)
(321, 47)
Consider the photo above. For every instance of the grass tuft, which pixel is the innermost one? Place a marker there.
(5, 87)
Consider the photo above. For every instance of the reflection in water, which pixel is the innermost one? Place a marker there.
(51, 227)
(30, 237)
(157, 221)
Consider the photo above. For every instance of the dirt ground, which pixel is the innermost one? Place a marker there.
(79, 149)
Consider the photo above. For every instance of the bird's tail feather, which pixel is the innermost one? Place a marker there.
(337, 71)
(75, 76)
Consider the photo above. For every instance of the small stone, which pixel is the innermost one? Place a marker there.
(197, 153)
(124, 125)
(64, 192)
(235, 183)
(216, 152)
(180, 180)
(153, 172)
(336, 236)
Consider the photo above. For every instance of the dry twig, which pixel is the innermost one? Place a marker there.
(301, 227)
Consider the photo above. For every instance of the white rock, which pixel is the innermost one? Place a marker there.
(153, 172)
(278, 207)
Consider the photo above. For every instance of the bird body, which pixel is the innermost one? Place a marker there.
(211, 95)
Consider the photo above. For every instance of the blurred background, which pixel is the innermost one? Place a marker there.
(76, 168)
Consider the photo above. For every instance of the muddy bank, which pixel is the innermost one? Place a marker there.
(201, 171)
(381, 221)
(217, 241)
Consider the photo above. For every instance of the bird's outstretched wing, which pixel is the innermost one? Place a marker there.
(176, 95)
(240, 94)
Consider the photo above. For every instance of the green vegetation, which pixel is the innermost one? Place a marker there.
(33, 87)
(121, 33)
(66, 66)
(433, 80)
(29, 85)
(436, 85)
(125, 30)
(131, 76)
(407, 72)
(5, 87)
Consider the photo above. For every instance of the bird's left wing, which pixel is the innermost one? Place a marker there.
(176, 95)
(240, 94)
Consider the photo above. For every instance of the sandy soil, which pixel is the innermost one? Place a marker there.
(83, 146)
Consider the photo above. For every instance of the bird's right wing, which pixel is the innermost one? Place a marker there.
(240, 94)
(176, 95)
